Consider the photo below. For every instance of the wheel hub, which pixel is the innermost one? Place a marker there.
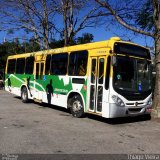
(77, 106)
(23, 95)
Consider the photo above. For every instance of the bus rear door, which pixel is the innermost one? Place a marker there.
(38, 80)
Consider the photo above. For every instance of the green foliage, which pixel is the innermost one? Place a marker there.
(15, 47)
(56, 43)
(145, 17)
(85, 38)
(6, 49)
(31, 46)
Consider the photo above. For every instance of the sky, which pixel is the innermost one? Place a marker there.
(100, 33)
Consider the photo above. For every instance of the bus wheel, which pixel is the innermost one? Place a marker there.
(77, 108)
(24, 95)
(147, 116)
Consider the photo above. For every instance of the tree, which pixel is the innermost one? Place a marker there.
(85, 38)
(15, 47)
(126, 19)
(145, 17)
(77, 15)
(7, 49)
(34, 16)
(45, 18)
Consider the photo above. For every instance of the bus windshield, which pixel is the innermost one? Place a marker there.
(131, 74)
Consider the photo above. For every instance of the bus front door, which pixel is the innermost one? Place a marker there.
(38, 80)
(96, 84)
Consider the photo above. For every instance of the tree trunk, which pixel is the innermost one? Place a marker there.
(45, 40)
(45, 25)
(65, 6)
(156, 104)
(65, 29)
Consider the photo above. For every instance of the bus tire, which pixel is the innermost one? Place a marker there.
(24, 95)
(147, 116)
(77, 109)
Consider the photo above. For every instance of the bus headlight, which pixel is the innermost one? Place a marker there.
(149, 102)
(118, 101)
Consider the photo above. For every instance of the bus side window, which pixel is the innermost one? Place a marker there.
(20, 66)
(29, 65)
(11, 66)
(59, 64)
(63, 63)
(41, 70)
(78, 63)
(37, 70)
(72, 61)
(82, 70)
(48, 64)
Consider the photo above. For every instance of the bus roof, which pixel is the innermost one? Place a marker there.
(88, 46)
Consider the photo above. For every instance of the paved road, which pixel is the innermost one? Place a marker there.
(34, 128)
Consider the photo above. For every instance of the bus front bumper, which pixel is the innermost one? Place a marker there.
(117, 111)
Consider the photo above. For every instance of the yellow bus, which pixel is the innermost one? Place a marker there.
(110, 78)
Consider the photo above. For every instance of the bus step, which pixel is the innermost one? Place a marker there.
(37, 100)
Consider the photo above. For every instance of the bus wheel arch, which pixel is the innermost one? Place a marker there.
(24, 94)
(76, 105)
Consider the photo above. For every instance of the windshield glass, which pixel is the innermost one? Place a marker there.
(131, 74)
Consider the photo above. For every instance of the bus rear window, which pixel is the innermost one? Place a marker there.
(132, 50)
(11, 66)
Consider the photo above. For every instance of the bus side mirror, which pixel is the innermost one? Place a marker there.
(114, 61)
